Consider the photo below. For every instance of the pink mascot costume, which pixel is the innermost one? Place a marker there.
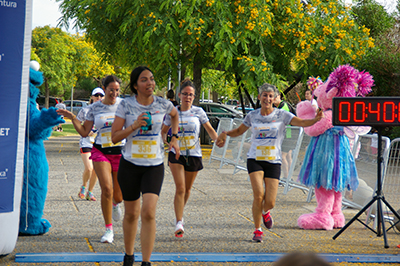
(329, 165)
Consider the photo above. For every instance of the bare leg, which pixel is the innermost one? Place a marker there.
(130, 224)
(256, 179)
(88, 168)
(178, 173)
(116, 189)
(189, 180)
(148, 229)
(103, 171)
(271, 190)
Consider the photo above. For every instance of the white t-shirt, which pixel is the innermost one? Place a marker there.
(145, 148)
(190, 122)
(267, 135)
(103, 116)
(313, 102)
(88, 141)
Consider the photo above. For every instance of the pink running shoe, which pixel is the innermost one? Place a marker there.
(267, 219)
(81, 193)
(258, 236)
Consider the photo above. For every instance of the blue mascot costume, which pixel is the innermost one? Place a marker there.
(36, 169)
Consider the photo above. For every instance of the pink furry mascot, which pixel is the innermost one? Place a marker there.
(329, 164)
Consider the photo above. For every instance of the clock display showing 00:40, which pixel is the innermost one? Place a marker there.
(371, 111)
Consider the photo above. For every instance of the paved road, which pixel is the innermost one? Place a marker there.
(218, 220)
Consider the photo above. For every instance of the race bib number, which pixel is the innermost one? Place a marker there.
(144, 149)
(266, 153)
(187, 143)
(106, 142)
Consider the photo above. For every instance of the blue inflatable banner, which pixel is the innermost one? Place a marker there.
(15, 33)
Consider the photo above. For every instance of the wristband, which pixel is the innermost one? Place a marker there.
(175, 135)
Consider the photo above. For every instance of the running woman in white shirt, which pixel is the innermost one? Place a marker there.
(86, 145)
(105, 154)
(185, 169)
(268, 125)
(139, 120)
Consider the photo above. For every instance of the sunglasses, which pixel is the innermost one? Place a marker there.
(98, 95)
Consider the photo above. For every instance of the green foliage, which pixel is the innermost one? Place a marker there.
(254, 41)
(373, 16)
(64, 58)
(383, 61)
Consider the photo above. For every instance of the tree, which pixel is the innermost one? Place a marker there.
(251, 41)
(63, 58)
(383, 62)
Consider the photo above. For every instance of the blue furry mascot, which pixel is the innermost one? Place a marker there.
(36, 169)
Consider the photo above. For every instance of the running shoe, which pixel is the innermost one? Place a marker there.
(81, 193)
(179, 229)
(129, 260)
(90, 196)
(116, 213)
(258, 236)
(267, 219)
(108, 236)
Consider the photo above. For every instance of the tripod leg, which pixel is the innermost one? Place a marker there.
(355, 217)
(391, 208)
(381, 221)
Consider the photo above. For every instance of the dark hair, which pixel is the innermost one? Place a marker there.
(109, 79)
(170, 94)
(187, 83)
(135, 76)
(90, 100)
(308, 90)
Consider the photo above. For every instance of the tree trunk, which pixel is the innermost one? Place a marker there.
(197, 78)
(238, 79)
(46, 101)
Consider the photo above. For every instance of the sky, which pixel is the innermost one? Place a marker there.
(45, 12)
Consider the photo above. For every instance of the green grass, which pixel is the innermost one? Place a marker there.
(68, 130)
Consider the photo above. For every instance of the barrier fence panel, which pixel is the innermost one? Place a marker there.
(391, 184)
(233, 145)
(290, 155)
(217, 153)
(367, 169)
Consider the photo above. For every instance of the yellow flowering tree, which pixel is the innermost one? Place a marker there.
(252, 41)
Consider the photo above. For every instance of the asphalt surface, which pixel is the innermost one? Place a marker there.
(218, 221)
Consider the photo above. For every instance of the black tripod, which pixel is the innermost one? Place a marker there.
(379, 197)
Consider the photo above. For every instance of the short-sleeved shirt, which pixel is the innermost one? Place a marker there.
(267, 135)
(313, 102)
(190, 122)
(103, 116)
(88, 141)
(144, 147)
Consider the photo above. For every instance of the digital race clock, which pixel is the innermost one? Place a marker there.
(371, 111)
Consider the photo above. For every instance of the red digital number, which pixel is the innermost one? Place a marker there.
(342, 112)
(356, 111)
(377, 111)
(386, 112)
